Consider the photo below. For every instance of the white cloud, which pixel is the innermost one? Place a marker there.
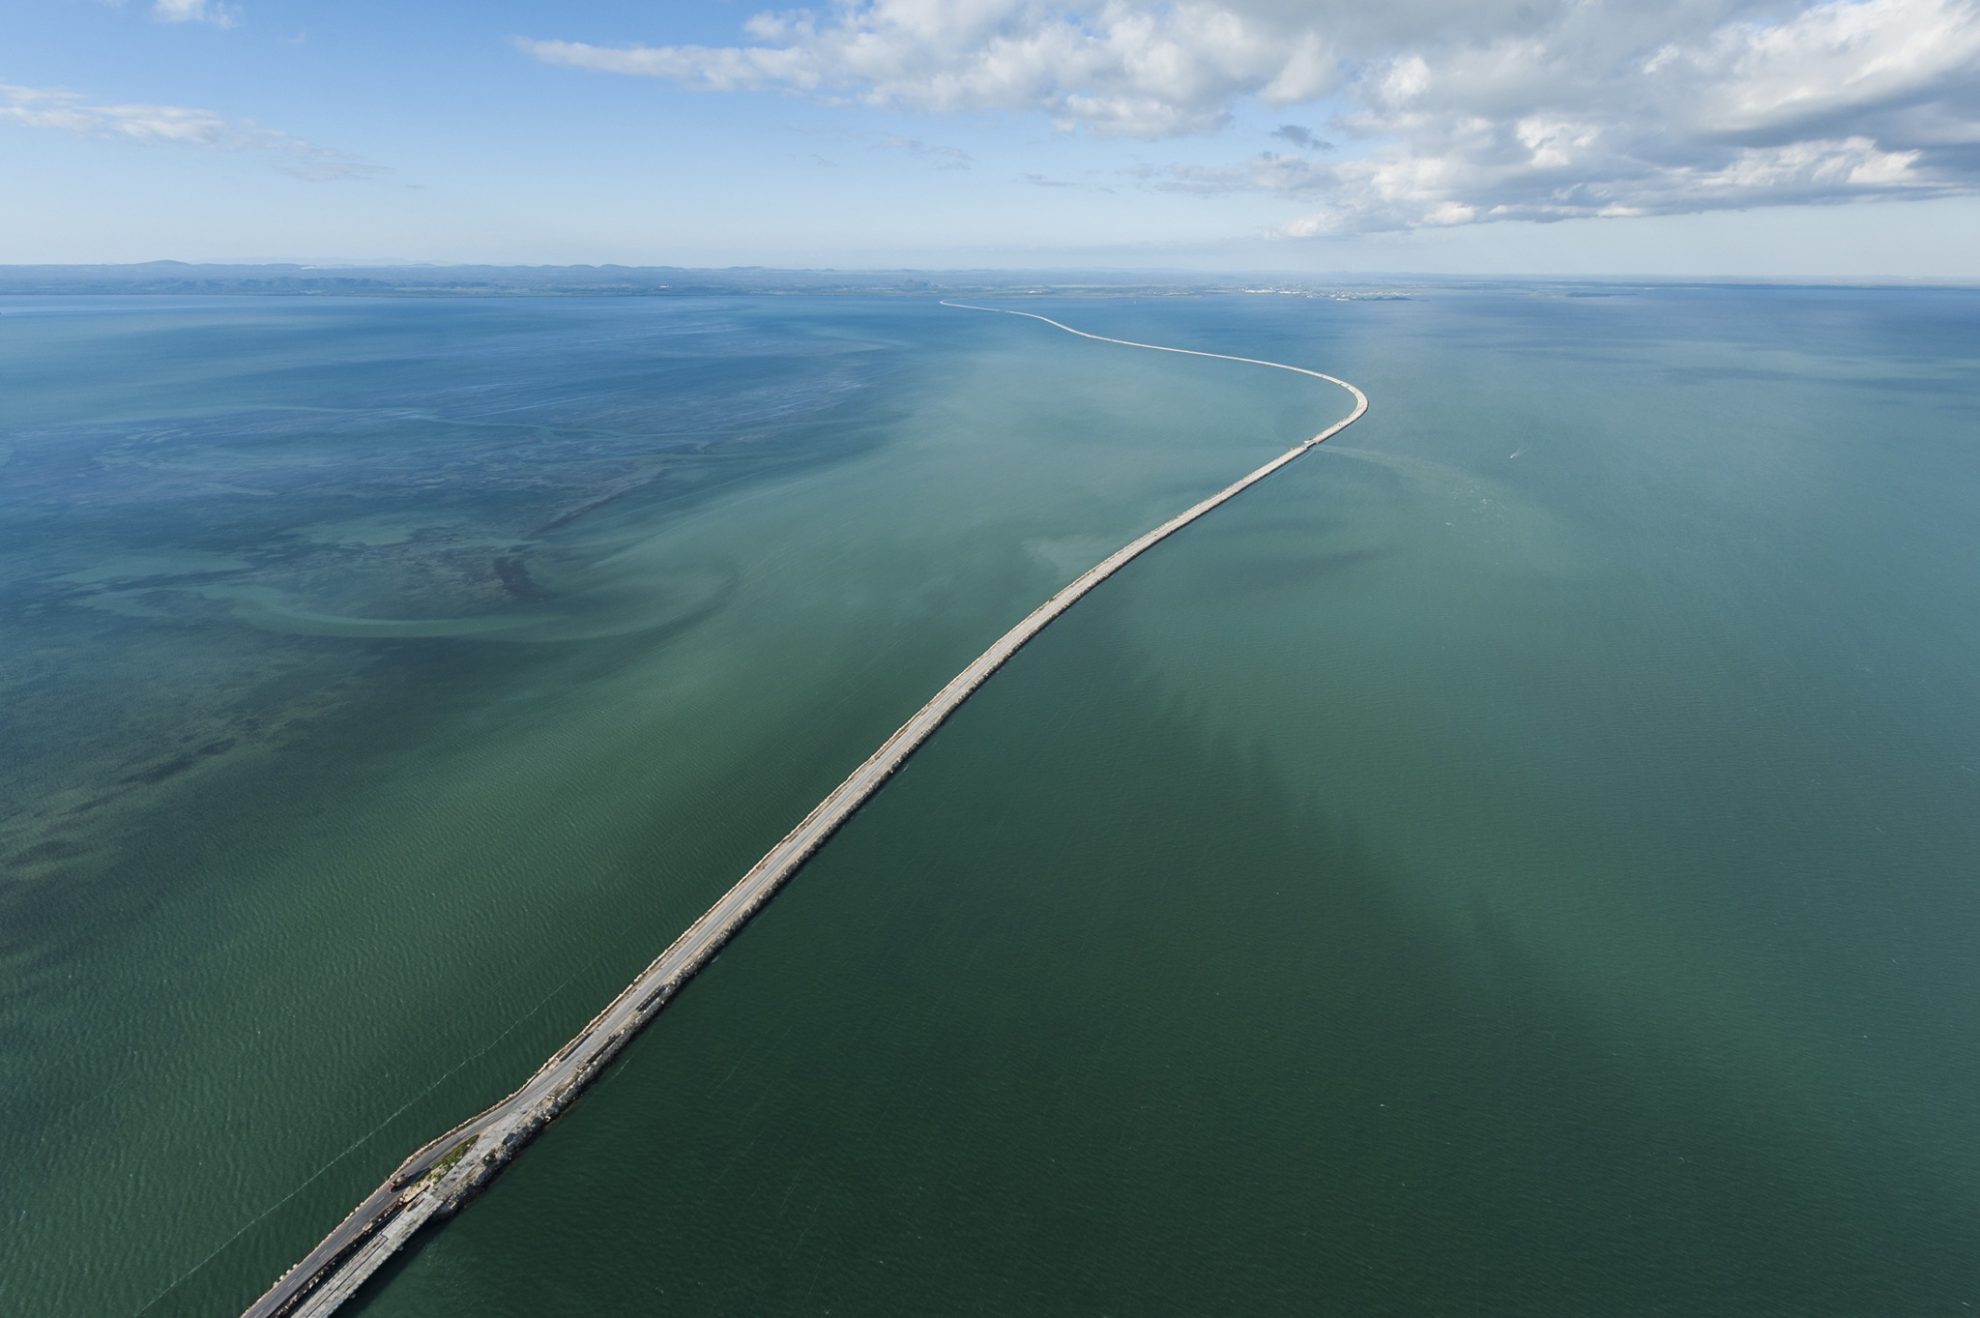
(1448, 111)
(178, 125)
(1120, 69)
(194, 11)
(1832, 59)
(1432, 191)
(1840, 101)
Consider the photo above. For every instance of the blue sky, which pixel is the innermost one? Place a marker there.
(1712, 137)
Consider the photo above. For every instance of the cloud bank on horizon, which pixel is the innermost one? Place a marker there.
(1436, 113)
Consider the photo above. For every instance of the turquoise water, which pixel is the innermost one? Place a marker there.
(1519, 859)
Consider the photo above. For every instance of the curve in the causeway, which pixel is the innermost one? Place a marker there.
(443, 1173)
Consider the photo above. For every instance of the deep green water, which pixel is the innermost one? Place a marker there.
(1522, 858)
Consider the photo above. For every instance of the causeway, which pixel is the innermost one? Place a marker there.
(443, 1173)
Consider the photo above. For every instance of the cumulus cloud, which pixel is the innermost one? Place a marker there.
(193, 11)
(1447, 111)
(1116, 68)
(1841, 101)
(175, 125)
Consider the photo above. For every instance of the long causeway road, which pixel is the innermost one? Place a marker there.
(443, 1173)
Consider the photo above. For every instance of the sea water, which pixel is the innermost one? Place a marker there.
(1521, 858)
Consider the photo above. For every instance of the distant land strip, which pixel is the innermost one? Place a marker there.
(445, 1172)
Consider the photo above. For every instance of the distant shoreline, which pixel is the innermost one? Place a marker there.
(299, 279)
